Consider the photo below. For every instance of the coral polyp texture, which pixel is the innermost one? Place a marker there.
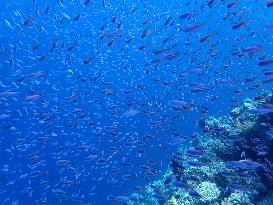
(209, 191)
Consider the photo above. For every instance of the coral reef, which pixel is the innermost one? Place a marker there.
(238, 198)
(230, 163)
(208, 190)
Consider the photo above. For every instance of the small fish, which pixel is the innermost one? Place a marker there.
(236, 164)
(28, 21)
(131, 113)
(234, 138)
(269, 133)
(240, 25)
(211, 3)
(177, 140)
(251, 164)
(196, 164)
(261, 110)
(193, 27)
(238, 187)
(3, 116)
(33, 97)
(7, 93)
(170, 179)
(168, 20)
(72, 47)
(47, 9)
(269, 4)
(265, 62)
(86, 2)
(187, 15)
(181, 185)
(145, 33)
(232, 4)
(65, 15)
(194, 153)
(195, 194)
(228, 173)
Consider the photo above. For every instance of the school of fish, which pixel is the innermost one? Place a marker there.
(96, 96)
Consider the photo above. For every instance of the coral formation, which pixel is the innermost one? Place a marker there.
(209, 191)
(230, 163)
(238, 198)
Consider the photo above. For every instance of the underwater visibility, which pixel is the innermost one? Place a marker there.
(136, 102)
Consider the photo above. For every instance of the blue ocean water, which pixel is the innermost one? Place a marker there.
(92, 90)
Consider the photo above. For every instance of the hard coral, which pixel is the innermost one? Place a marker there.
(208, 190)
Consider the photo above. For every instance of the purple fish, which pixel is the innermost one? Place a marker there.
(268, 72)
(199, 90)
(194, 153)
(193, 27)
(239, 25)
(236, 164)
(244, 174)
(177, 157)
(187, 15)
(177, 140)
(261, 110)
(196, 164)
(252, 49)
(157, 60)
(234, 138)
(251, 164)
(265, 62)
